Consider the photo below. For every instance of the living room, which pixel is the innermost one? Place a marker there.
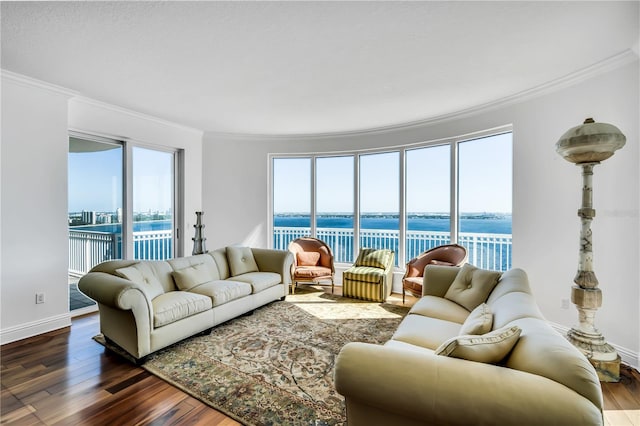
(226, 173)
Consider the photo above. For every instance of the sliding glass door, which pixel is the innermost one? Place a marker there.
(153, 203)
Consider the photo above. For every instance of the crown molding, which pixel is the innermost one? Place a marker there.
(135, 114)
(625, 57)
(34, 82)
(78, 97)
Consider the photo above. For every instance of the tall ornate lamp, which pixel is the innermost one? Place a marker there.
(586, 146)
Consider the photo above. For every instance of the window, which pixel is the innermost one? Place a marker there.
(95, 203)
(112, 217)
(380, 200)
(428, 198)
(484, 200)
(334, 204)
(291, 192)
(408, 199)
(153, 185)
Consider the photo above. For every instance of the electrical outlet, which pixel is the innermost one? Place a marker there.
(39, 298)
(565, 304)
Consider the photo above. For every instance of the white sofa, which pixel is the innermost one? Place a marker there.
(148, 305)
(538, 379)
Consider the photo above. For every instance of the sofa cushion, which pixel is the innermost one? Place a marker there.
(307, 258)
(259, 280)
(176, 305)
(192, 276)
(365, 274)
(472, 286)
(424, 331)
(479, 321)
(438, 307)
(142, 274)
(375, 258)
(241, 260)
(223, 291)
(490, 348)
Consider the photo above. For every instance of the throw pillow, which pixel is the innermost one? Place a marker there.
(241, 260)
(192, 276)
(472, 286)
(479, 321)
(308, 258)
(490, 348)
(142, 274)
(375, 258)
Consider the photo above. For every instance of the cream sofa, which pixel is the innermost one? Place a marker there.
(147, 305)
(542, 379)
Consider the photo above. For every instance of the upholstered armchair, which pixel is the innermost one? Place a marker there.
(448, 255)
(371, 277)
(312, 262)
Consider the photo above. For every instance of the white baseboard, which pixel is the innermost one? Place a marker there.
(84, 311)
(33, 328)
(627, 355)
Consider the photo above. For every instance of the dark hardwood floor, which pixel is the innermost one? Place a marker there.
(64, 377)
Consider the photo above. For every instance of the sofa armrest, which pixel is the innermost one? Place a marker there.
(113, 291)
(433, 389)
(437, 279)
(278, 261)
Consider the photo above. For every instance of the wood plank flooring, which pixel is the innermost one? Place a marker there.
(64, 377)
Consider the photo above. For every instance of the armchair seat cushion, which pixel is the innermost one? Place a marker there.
(367, 274)
(259, 280)
(176, 305)
(223, 291)
(311, 272)
(414, 285)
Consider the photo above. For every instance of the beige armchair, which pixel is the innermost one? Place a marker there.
(312, 262)
(447, 255)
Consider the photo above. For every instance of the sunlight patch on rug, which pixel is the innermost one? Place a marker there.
(276, 366)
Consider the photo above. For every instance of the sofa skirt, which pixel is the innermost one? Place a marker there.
(375, 292)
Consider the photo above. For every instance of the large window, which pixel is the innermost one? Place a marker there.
(408, 199)
(428, 198)
(334, 204)
(380, 200)
(115, 217)
(153, 203)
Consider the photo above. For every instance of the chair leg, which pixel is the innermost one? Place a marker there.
(403, 295)
(331, 285)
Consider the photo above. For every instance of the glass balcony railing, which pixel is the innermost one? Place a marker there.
(487, 251)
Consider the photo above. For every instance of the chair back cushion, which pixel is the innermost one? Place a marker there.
(308, 258)
(311, 245)
(375, 258)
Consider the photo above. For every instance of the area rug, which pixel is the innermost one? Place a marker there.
(275, 367)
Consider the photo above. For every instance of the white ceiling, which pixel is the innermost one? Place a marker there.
(283, 68)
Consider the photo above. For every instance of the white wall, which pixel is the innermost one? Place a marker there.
(34, 204)
(545, 200)
(36, 119)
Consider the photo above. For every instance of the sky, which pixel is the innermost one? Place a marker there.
(484, 173)
(95, 180)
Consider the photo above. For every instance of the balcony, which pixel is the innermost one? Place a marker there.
(487, 251)
(89, 248)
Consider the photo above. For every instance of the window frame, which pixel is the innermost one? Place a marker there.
(453, 142)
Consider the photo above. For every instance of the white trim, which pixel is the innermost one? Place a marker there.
(625, 57)
(628, 356)
(33, 82)
(34, 328)
(135, 114)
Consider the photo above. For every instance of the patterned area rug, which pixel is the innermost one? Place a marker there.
(275, 367)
